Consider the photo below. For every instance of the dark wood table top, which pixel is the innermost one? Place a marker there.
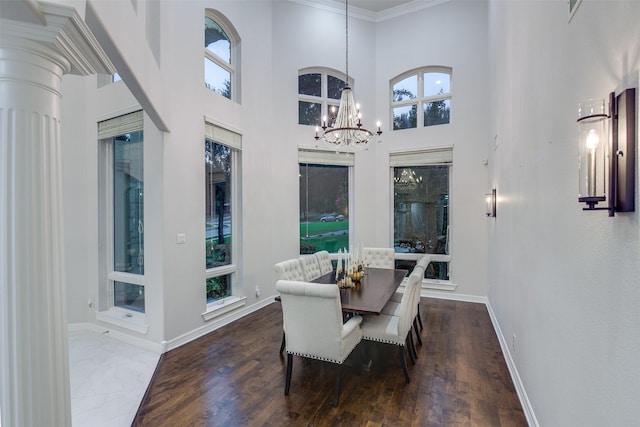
(375, 290)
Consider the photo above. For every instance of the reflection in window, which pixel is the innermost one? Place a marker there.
(421, 212)
(324, 208)
(128, 203)
(434, 85)
(318, 95)
(129, 296)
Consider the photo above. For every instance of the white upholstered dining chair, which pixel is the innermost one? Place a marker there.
(395, 330)
(379, 257)
(423, 263)
(324, 260)
(288, 270)
(310, 267)
(313, 320)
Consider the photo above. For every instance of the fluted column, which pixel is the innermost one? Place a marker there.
(34, 365)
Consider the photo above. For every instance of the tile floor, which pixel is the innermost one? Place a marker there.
(108, 379)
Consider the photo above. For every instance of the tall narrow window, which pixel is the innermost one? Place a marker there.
(421, 97)
(319, 91)
(324, 200)
(221, 152)
(218, 217)
(123, 140)
(221, 48)
(421, 207)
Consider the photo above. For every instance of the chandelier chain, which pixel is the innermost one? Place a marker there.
(345, 128)
(346, 13)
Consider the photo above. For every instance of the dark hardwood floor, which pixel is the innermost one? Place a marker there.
(235, 376)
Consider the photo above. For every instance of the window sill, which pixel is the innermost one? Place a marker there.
(432, 284)
(439, 285)
(124, 319)
(218, 308)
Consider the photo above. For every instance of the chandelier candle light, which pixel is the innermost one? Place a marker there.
(346, 127)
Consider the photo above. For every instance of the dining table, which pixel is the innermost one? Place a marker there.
(370, 295)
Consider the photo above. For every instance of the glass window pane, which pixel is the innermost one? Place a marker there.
(217, 78)
(435, 270)
(128, 203)
(406, 89)
(436, 84)
(216, 40)
(405, 117)
(324, 208)
(310, 84)
(218, 287)
(334, 87)
(218, 204)
(309, 113)
(126, 295)
(420, 208)
(437, 112)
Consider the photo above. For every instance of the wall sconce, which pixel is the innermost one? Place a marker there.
(490, 201)
(607, 164)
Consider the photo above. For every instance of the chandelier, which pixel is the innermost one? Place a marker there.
(345, 128)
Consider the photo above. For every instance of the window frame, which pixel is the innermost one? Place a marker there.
(233, 140)
(420, 100)
(424, 157)
(233, 65)
(107, 310)
(331, 158)
(323, 99)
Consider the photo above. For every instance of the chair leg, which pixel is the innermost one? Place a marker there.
(287, 383)
(420, 318)
(413, 354)
(417, 331)
(403, 362)
(336, 388)
(283, 342)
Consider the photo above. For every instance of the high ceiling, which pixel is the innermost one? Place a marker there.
(375, 10)
(377, 5)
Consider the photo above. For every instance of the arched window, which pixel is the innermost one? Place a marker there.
(421, 97)
(221, 56)
(319, 90)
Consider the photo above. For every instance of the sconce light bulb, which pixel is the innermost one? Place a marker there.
(593, 139)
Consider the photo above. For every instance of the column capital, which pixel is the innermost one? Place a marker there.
(58, 29)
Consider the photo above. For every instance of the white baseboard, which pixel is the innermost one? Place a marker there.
(515, 377)
(121, 336)
(212, 325)
(452, 296)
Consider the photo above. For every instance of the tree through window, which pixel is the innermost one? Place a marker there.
(220, 55)
(421, 97)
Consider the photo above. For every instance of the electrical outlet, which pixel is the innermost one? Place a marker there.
(90, 302)
(513, 343)
(257, 291)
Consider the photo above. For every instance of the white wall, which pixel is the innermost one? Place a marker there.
(452, 34)
(563, 281)
(278, 39)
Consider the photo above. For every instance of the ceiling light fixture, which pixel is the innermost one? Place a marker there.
(346, 128)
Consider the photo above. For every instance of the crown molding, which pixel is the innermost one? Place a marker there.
(367, 15)
(65, 33)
